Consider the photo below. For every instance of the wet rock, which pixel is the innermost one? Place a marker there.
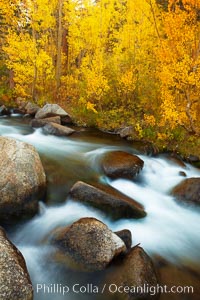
(183, 174)
(20, 101)
(31, 108)
(4, 110)
(119, 164)
(196, 164)
(126, 132)
(107, 199)
(51, 110)
(126, 236)
(188, 191)
(88, 244)
(175, 158)
(22, 181)
(132, 274)
(150, 149)
(57, 129)
(21, 104)
(66, 120)
(36, 123)
(17, 110)
(178, 276)
(194, 160)
(15, 282)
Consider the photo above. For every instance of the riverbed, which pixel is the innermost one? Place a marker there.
(170, 232)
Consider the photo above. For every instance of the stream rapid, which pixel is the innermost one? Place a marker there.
(169, 230)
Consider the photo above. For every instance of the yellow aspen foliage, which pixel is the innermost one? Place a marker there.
(41, 13)
(20, 51)
(127, 81)
(29, 45)
(179, 68)
(162, 136)
(22, 58)
(95, 80)
(139, 130)
(69, 86)
(149, 120)
(111, 63)
(91, 106)
(13, 12)
(170, 115)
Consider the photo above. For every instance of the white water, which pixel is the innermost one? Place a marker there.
(169, 229)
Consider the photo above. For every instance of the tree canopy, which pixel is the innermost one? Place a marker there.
(112, 63)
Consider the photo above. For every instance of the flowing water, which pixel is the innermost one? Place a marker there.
(169, 231)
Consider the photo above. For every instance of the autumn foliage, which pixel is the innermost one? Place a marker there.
(110, 63)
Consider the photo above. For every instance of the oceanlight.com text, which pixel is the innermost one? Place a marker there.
(58, 288)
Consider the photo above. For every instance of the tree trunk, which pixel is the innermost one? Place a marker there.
(11, 80)
(35, 68)
(188, 113)
(59, 44)
(65, 48)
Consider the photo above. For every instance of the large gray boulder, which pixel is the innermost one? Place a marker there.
(50, 110)
(15, 282)
(31, 108)
(88, 244)
(188, 191)
(120, 164)
(107, 199)
(132, 274)
(57, 129)
(22, 181)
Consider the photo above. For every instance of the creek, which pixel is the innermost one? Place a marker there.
(169, 231)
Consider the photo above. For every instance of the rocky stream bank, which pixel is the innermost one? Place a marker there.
(87, 244)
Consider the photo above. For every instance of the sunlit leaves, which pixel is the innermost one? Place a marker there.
(179, 70)
(131, 61)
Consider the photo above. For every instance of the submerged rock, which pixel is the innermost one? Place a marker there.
(182, 173)
(107, 199)
(22, 181)
(15, 282)
(178, 275)
(51, 110)
(126, 237)
(132, 275)
(88, 244)
(57, 129)
(66, 120)
(36, 123)
(119, 164)
(188, 191)
(175, 159)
